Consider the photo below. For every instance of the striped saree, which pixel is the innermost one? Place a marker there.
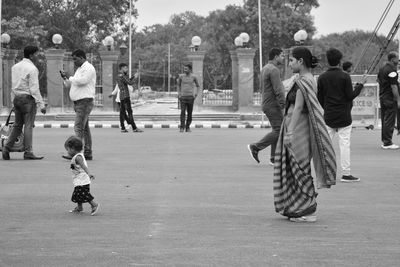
(294, 191)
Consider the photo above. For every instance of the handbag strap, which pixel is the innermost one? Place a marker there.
(9, 116)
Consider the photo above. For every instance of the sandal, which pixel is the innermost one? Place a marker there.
(76, 210)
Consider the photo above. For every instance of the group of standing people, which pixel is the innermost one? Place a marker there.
(303, 122)
(307, 119)
(26, 96)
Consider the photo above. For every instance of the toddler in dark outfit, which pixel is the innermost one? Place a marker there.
(81, 176)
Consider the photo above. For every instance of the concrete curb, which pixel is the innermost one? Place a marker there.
(171, 125)
(159, 125)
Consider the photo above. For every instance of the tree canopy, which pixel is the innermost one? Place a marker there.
(85, 23)
(82, 23)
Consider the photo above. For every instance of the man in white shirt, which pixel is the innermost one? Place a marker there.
(25, 95)
(82, 93)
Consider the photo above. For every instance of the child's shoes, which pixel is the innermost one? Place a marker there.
(95, 209)
(76, 210)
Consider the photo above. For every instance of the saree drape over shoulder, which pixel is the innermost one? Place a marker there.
(294, 191)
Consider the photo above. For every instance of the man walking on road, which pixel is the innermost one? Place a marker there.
(335, 94)
(273, 103)
(82, 93)
(26, 95)
(188, 89)
(389, 99)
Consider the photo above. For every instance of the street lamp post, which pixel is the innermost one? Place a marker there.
(163, 62)
(57, 40)
(242, 73)
(109, 42)
(5, 40)
(123, 48)
(238, 41)
(245, 39)
(242, 40)
(196, 42)
(300, 37)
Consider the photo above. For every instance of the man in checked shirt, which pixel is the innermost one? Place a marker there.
(123, 81)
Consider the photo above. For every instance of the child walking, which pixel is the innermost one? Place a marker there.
(80, 175)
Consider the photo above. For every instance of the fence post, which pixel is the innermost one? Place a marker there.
(197, 58)
(235, 80)
(55, 91)
(245, 77)
(8, 61)
(2, 92)
(108, 59)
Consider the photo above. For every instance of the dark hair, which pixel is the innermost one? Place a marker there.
(308, 59)
(392, 55)
(79, 53)
(189, 66)
(347, 65)
(333, 56)
(121, 65)
(30, 50)
(74, 142)
(274, 52)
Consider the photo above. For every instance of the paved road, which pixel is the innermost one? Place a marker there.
(196, 199)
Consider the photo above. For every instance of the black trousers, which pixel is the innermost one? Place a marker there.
(126, 112)
(388, 118)
(398, 119)
(122, 117)
(186, 107)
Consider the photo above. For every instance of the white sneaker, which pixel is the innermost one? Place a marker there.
(392, 147)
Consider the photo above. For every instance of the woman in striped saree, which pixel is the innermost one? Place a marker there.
(303, 138)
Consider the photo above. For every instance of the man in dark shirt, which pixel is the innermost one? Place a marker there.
(389, 99)
(335, 93)
(273, 103)
(123, 81)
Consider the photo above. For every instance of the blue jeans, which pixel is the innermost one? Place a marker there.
(25, 113)
(275, 117)
(82, 108)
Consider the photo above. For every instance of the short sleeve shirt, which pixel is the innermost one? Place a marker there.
(387, 77)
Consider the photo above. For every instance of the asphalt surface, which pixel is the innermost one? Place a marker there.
(192, 199)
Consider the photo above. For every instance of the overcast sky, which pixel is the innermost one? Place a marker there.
(331, 16)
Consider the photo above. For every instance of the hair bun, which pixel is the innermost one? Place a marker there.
(314, 62)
